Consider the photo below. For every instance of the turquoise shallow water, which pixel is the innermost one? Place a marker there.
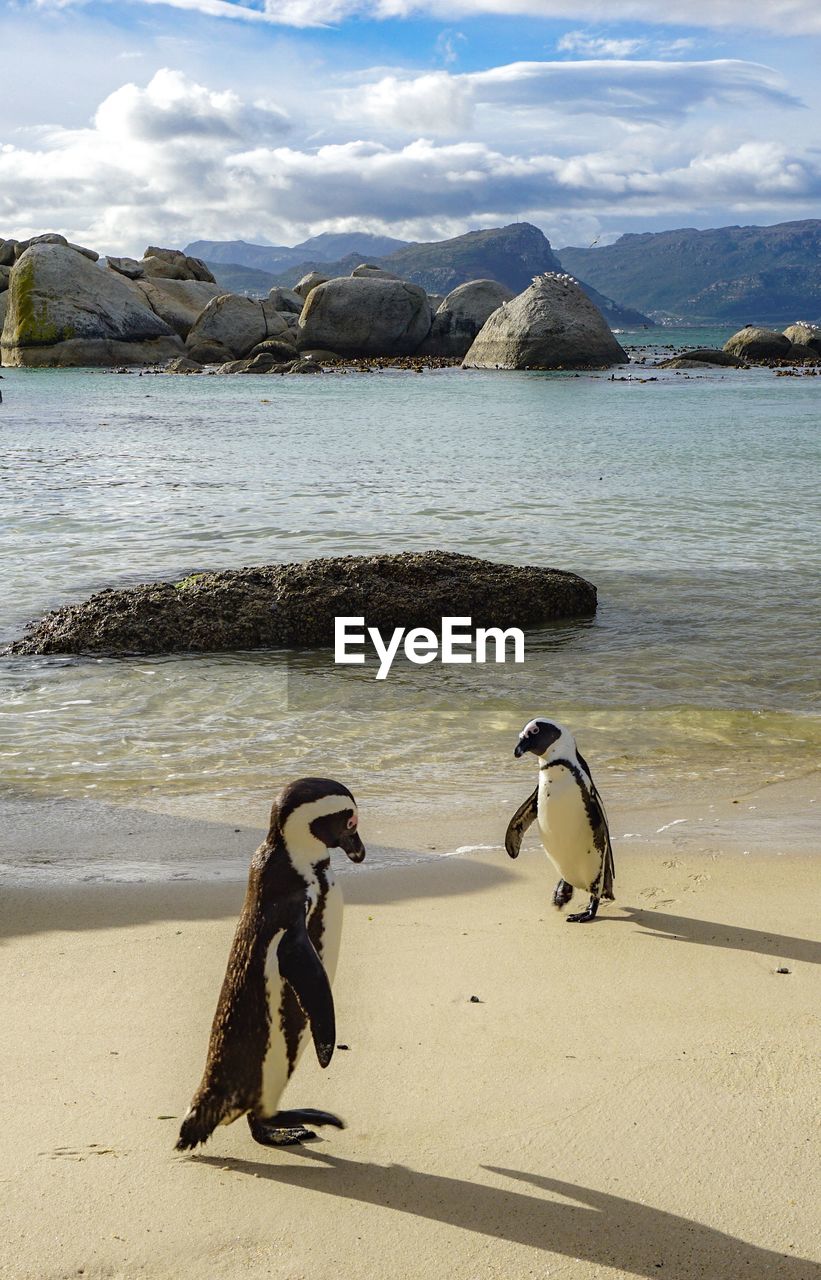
(690, 501)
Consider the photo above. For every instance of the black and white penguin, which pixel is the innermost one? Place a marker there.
(570, 813)
(280, 969)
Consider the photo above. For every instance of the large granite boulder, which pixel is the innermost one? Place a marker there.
(461, 315)
(552, 325)
(183, 364)
(287, 300)
(280, 349)
(295, 605)
(4, 304)
(207, 352)
(173, 264)
(304, 286)
(236, 323)
(754, 343)
(367, 271)
(128, 267)
(63, 310)
(8, 252)
(359, 317)
(5, 277)
(801, 334)
(177, 302)
(53, 237)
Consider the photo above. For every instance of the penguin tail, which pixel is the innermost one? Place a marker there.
(200, 1122)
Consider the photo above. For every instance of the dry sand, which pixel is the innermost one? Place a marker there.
(631, 1098)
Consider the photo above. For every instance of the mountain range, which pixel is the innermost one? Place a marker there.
(276, 258)
(513, 255)
(738, 275)
(732, 275)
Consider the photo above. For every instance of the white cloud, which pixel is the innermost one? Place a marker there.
(654, 91)
(445, 46)
(176, 160)
(786, 17)
(434, 103)
(172, 107)
(598, 46)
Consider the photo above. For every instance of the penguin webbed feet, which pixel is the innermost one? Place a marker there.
(562, 894)
(589, 913)
(288, 1128)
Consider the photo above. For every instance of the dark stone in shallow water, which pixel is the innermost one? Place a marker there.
(294, 605)
(701, 355)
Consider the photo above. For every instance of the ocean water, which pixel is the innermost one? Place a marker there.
(690, 500)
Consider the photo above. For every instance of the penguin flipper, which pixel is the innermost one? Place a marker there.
(524, 817)
(601, 830)
(302, 969)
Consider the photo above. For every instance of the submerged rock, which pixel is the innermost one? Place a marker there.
(294, 605)
(701, 355)
(182, 364)
(552, 325)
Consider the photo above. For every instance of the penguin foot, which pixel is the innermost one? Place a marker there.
(287, 1128)
(584, 917)
(304, 1115)
(269, 1136)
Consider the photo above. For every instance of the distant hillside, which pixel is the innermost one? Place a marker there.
(235, 278)
(338, 244)
(735, 274)
(512, 255)
(259, 257)
(277, 258)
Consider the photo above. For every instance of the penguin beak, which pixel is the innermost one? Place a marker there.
(352, 845)
(519, 750)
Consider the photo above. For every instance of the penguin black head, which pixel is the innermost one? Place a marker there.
(319, 809)
(537, 736)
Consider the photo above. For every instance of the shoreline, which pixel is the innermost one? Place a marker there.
(49, 843)
(576, 1119)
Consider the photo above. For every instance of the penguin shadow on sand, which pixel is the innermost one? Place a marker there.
(596, 1227)
(712, 933)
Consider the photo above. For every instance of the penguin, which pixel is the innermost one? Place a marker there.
(280, 968)
(570, 813)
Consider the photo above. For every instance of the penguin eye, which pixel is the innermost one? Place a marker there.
(352, 822)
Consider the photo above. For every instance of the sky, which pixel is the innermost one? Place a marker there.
(165, 121)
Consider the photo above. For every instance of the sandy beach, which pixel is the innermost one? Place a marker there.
(632, 1098)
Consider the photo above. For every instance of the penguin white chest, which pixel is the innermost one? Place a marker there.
(281, 1057)
(565, 828)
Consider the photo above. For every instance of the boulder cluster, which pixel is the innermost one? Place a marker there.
(753, 345)
(61, 305)
(294, 605)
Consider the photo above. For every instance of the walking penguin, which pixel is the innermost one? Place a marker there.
(282, 962)
(570, 813)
